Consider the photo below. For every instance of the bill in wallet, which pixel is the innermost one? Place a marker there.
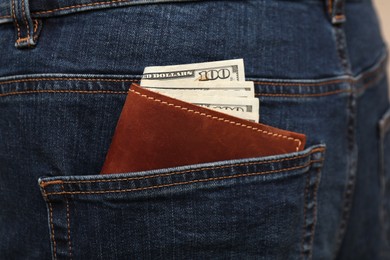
(158, 131)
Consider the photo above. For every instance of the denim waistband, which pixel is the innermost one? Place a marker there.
(49, 8)
(27, 15)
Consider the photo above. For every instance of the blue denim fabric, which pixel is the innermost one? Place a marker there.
(319, 69)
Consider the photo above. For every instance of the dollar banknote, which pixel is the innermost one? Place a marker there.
(226, 70)
(219, 86)
(235, 106)
(231, 89)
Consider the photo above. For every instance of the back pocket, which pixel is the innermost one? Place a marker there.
(249, 208)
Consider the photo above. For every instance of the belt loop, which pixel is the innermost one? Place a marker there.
(27, 28)
(336, 11)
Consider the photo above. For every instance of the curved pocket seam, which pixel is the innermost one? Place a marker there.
(45, 184)
(188, 182)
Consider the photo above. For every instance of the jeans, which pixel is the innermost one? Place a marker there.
(319, 69)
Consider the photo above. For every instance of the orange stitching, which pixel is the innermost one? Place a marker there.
(340, 17)
(306, 95)
(35, 25)
(221, 119)
(80, 5)
(22, 39)
(15, 19)
(5, 16)
(65, 91)
(187, 182)
(80, 79)
(27, 25)
(330, 7)
(44, 184)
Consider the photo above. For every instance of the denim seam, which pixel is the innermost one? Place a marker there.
(81, 5)
(52, 234)
(303, 253)
(222, 119)
(73, 7)
(68, 223)
(330, 7)
(71, 79)
(65, 91)
(358, 90)
(25, 21)
(188, 182)
(15, 19)
(303, 95)
(351, 176)
(316, 150)
(310, 192)
(377, 70)
(315, 192)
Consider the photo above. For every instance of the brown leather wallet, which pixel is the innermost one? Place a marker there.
(155, 131)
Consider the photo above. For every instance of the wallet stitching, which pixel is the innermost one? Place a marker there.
(187, 171)
(221, 119)
(187, 182)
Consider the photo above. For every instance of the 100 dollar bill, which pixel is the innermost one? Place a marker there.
(233, 89)
(227, 70)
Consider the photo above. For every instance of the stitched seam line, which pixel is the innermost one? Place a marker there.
(340, 17)
(365, 75)
(78, 79)
(81, 5)
(15, 19)
(67, 223)
(300, 84)
(305, 217)
(187, 182)
(44, 184)
(25, 21)
(35, 25)
(365, 86)
(52, 235)
(330, 7)
(65, 91)
(52, 231)
(305, 95)
(68, 226)
(314, 211)
(221, 119)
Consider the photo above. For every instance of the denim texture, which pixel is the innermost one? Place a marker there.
(61, 95)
